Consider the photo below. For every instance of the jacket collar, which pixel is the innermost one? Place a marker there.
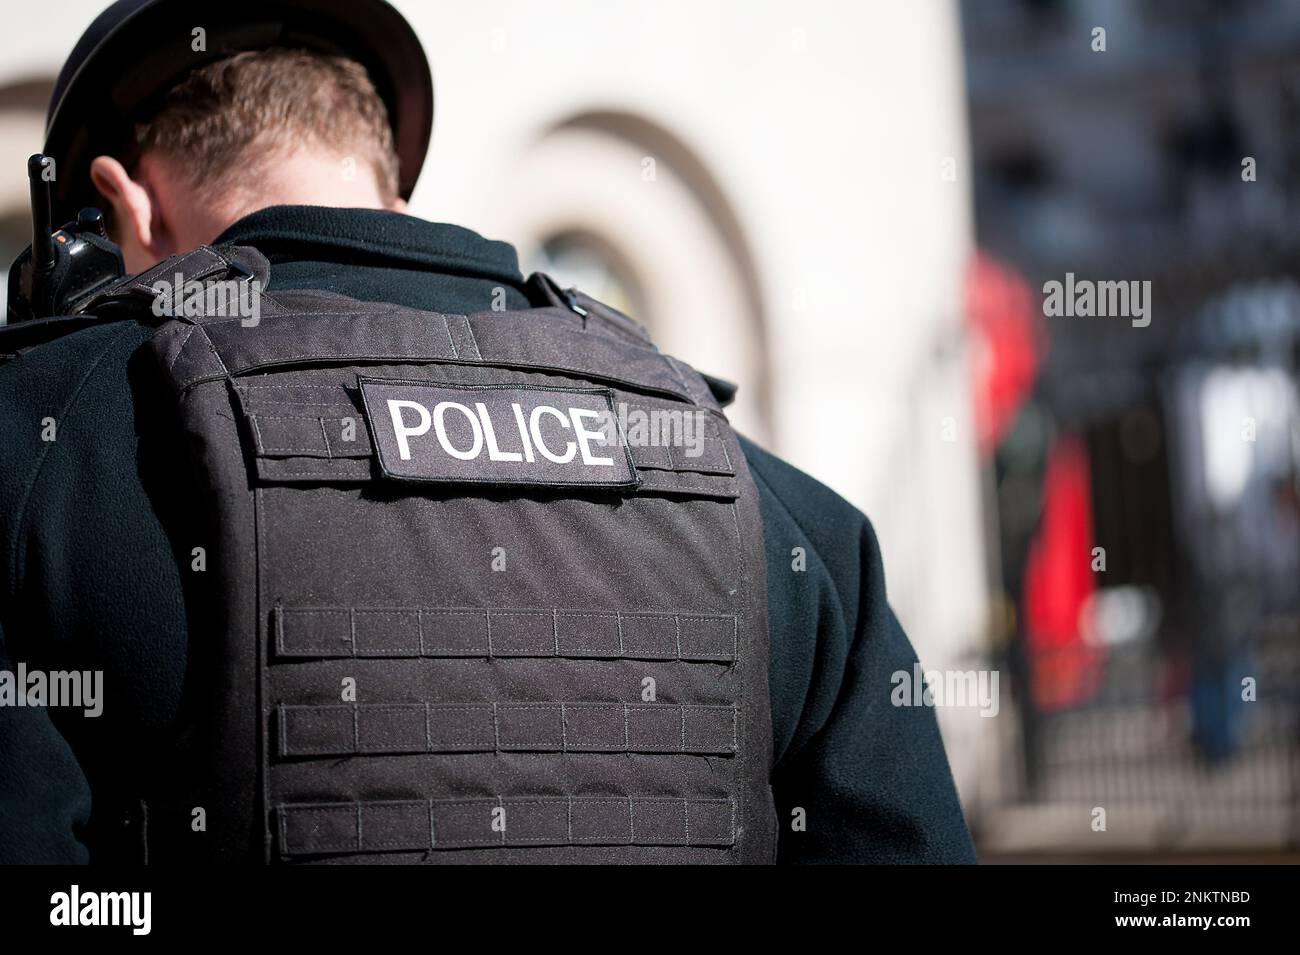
(373, 237)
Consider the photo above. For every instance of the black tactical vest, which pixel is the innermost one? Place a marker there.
(458, 591)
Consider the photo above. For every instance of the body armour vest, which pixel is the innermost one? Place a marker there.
(484, 588)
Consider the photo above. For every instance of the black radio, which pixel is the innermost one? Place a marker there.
(63, 268)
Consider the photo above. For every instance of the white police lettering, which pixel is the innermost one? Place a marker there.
(400, 429)
(534, 421)
(492, 434)
(439, 425)
(585, 436)
(495, 453)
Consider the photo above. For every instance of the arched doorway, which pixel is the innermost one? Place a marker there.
(622, 208)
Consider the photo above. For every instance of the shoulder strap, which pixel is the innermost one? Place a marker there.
(204, 264)
(543, 291)
(132, 297)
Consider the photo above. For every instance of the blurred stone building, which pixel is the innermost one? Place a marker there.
(1167, 153)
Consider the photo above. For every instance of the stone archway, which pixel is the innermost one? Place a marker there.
(614, 200)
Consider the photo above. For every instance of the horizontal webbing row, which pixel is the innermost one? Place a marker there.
(455, 632)
(542, 339)
(424, 824)
(393, 728)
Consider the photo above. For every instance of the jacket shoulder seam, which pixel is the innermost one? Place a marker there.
(20, 513)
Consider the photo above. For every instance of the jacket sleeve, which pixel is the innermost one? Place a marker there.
(856, 778)
(44, 796)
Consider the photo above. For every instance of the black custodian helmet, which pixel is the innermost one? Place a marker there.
(137, 50)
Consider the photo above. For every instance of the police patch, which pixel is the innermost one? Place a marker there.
(496, 434)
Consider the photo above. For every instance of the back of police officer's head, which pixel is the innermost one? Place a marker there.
(256, 129)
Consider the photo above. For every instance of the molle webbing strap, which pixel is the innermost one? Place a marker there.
(433, 824)
(449, 632)
(542, 727)
(543, 339)
(198, 265)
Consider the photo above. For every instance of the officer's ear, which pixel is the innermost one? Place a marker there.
(138, 225)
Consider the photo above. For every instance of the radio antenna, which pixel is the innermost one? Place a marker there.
(42, 229)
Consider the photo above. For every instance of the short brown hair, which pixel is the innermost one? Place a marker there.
(272, 97)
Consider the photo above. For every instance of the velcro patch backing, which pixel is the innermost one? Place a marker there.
(496, 434)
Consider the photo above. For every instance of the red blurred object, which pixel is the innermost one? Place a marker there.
(1059, 581)
(1008, 345)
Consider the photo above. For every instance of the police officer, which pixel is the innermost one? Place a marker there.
(351, 518)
